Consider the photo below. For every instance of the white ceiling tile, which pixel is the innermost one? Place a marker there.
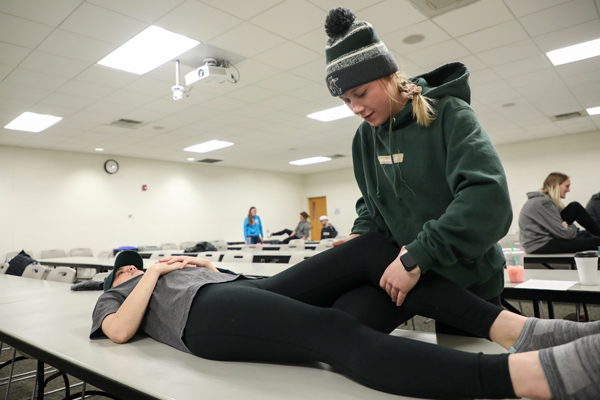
(33, 79)
(167, 105)
(433, 35)
(247, 40)
(252, 92)
(558, 17)
(21, 32)
(519, 67)
(290, 18)
(12, 104)
(534, 78)
(85, 89)
(544, 130)
(579, 67)
(102, 24)
(108, 76)
(288, 55)
(11, 54)
(312, 92)
(389, 15)
(109, 108)
(128, 98)
(197, 21)
(144, 10)
(92, 117)
(354, 5)
(480, 15)
(314, 71)
(484, 89)
(509, 53)
(569, 36)
(483, 76)
(284, 83)
(438, 54)
(48, 13)
(582, 79)
(145, 115)
(74, 46)
(521, 8)
(53, 64)
(49, 109)
(68, 101)
(252, 71)
(577, 125)
(22, 93)
(149, 86)
(243, 9)
(314, 40)
(558, 106)
(496, 36)
(4, 71)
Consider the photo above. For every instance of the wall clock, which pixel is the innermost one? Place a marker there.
(111, 166)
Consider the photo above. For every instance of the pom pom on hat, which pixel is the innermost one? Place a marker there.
(354, 54)
(338, 21)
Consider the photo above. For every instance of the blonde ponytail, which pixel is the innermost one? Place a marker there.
(422, 111)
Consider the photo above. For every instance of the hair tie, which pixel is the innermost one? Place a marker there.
(413, 90)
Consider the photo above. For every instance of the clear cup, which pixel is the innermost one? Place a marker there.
(587, 267)
(516, 269)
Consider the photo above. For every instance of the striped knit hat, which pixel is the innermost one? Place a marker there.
(354, 53)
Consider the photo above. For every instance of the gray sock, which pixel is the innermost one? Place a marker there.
(540, 334)
(572, 370)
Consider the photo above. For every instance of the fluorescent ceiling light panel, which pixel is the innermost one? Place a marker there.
(208, 146)
(574, 53)
(32, 122)
(332, 114)
(593, 111)
(148, 50)
(311, 160)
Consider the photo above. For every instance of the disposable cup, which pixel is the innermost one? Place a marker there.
(514, 265)
(587, 267)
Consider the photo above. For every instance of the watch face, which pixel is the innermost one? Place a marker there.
(111, 166)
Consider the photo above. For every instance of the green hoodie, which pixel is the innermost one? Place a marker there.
(444, 195)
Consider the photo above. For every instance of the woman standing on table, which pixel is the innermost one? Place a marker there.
(190, 305)
(546, 226)
(253, 232)
(430, 178)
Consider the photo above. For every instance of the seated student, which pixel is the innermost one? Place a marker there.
(593, 208)
(286, 318)
(547, 226)
(302, 231)
(328, 231)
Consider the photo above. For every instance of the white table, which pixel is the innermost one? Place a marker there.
(52, 323)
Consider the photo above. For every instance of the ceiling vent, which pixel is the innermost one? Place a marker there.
(209, 160)
(434, 8)
(562, 117)
(333, 157)
(126, 123)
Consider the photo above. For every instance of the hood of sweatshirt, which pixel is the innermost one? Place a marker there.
(448, 80)
(537, 193)
(596, 197)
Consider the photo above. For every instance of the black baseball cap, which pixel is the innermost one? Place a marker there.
(127, 257)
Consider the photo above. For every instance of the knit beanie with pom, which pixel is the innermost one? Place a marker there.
(354, 53)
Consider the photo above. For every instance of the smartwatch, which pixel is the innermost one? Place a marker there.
(408, 261)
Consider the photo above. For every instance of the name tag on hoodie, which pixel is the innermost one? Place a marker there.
(396, 158)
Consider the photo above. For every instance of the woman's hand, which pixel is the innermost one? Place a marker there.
(338, 242)
(397, 281)
(187, 262)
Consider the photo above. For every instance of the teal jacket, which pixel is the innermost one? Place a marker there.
(440, 190)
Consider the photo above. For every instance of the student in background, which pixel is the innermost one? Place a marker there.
(328, 231)
(547, 226)
(430, 178)
(593, 208)
(302, 231)
(253, 232)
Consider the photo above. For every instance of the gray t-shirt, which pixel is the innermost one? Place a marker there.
(169, 304)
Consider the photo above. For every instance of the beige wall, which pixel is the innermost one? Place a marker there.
(51, 199)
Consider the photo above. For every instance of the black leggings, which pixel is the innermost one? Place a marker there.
(287, 231)
(574, 212)
(286, 318)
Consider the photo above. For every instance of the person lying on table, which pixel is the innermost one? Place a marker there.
(189, 304)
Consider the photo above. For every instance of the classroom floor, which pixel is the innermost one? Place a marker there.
(22, 389)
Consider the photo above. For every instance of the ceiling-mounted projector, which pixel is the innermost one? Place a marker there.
(211, 71)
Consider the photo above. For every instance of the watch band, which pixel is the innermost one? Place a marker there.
(408, 261)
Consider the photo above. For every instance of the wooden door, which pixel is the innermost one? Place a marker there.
(317, 207)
